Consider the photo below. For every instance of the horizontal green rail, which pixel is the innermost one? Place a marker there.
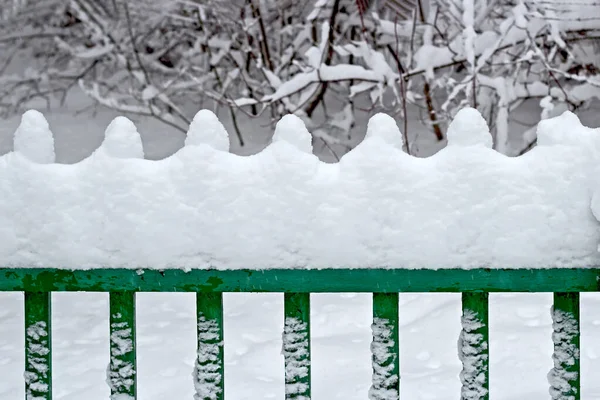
(385, 285)
(302, 280)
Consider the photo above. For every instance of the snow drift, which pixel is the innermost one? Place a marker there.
(467, 206)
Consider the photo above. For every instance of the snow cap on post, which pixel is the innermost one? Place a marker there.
(34, 139)
(468, 128)
(384, 127)
(207, 129)
(563, 129)
(292, 130)
(122, 140)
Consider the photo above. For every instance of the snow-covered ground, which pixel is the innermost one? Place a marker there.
(520, 328)
(520, 325)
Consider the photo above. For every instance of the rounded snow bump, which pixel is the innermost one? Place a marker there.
(34, 139)
(563, 129)
(207, 129)
(122, 140)
(384, 127)
(292, 130)
(468, 128)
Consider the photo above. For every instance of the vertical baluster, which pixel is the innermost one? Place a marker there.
(122, 368)
(565, 377)
(38, 346)
(473, 346)
(208, 372)
(296, 346)
(385, 348)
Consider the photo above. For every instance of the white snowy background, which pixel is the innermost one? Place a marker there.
(518, 82)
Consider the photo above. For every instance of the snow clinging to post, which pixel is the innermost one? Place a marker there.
(468, 128)
(207, 371)
(384, 380)
(38, 347)
(292, 130)
(207, 129)
(122, 140)
(121, 374)
(296, 351)
(33, 138)
(566, 354)
(471, 352)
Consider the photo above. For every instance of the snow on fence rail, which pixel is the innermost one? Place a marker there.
(465, 206)
(380, 221)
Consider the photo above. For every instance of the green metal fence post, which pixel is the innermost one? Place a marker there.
(209, 372)
(385, 348)
(38, 346)
(122, 373)
(565, 377)
(296, 346)
(473, 346)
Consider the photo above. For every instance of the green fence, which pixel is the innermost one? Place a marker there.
(385, 284)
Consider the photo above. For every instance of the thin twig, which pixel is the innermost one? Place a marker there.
(402, 88)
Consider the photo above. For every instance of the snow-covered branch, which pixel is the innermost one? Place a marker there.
(320, 60)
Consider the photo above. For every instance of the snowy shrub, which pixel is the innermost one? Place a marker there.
(330, 62)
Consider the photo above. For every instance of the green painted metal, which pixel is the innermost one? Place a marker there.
(209, 374)
(385, 349)
(565, 377)
(296, 346)
(302, 280)
(473, 346)
(122, 372)
(38, 346)
(297, 284)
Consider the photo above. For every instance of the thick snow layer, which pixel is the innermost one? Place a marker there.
(467, 206)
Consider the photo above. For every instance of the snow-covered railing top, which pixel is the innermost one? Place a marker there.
(467, 206)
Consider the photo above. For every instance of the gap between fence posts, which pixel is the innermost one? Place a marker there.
(38, 345)
(209, 374)
(122, 372)
(565, 377)
(296, 346)
(473, 346)
(385, 347)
